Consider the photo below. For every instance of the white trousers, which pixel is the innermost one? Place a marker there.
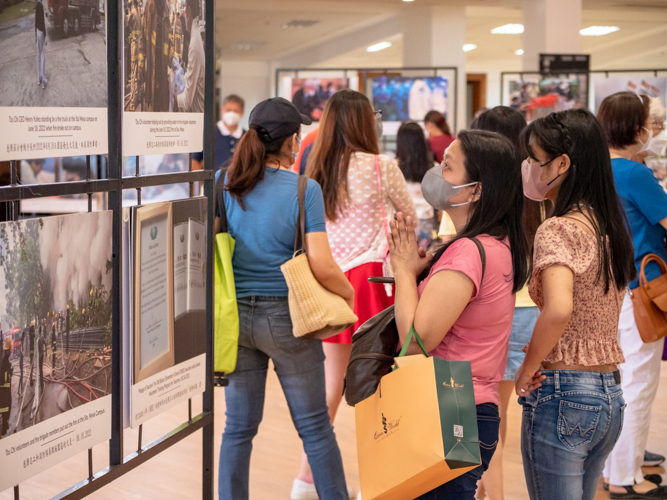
(41, 63)
(640, 375)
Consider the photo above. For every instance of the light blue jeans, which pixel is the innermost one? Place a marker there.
(569, 426)
(265, 332)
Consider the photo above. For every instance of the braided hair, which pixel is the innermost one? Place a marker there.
(589, 184)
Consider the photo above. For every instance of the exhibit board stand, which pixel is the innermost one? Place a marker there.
(111, 423)
(518, 88)
(417, 90)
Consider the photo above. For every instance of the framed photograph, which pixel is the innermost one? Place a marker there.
(154, 307)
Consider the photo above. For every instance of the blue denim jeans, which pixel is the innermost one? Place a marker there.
(465, 486)
(570, 425)
(265, 332)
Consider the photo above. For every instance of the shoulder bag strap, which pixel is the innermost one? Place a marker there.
(482, 255)
(220, 201)
(300, 238)
(384, 211)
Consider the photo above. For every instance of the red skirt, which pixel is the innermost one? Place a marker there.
(369, 299)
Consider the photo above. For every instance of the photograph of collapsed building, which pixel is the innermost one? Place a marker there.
(164, 55)
(55, 316)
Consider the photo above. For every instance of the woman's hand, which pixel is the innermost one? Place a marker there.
(406, 256)
(527, 380)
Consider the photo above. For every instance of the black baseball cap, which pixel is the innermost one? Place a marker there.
(277, 118)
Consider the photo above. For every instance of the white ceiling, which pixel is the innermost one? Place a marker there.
(253, 30)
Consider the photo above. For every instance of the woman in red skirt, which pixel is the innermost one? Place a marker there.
(361, 189)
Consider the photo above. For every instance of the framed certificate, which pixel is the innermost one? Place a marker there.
(153, 285)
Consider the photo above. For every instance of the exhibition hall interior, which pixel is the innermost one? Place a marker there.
(332, 249)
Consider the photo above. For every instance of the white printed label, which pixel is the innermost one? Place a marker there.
(458, 431)
(163, 390)
(40, 447)
(162, 133)
(32, 133)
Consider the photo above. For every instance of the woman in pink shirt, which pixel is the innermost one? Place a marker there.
(462, 305)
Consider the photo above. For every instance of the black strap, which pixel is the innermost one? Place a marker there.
(482, 255)
(220, 200)
(300, 238)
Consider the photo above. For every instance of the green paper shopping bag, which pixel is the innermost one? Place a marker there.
(419, 430)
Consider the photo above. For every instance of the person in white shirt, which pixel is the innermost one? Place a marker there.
(228, 133)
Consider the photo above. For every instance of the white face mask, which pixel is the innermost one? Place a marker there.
(658, 143)
(645, 145)
(231, 119)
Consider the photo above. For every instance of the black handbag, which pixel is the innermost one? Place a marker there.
(374, 347)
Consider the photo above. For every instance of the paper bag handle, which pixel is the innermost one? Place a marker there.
(412, 333)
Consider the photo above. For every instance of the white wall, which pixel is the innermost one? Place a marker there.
(249, 79)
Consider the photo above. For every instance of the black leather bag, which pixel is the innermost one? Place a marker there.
(374, 347)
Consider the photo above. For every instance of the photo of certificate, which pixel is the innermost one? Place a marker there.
(153, 329)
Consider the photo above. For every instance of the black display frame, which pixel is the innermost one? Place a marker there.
(119, 463)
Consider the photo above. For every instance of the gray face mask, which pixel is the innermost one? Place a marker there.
(437, 191)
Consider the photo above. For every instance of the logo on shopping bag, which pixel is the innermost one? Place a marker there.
(389, 427)
(453, 384)
(458, 431)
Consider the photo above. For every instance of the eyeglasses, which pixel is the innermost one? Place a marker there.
(659, 126)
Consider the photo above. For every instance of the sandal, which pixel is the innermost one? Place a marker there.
(656, 493)
(653, 478)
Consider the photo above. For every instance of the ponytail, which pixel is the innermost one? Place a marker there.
(247, 167)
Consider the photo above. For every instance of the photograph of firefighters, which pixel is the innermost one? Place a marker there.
(165, 49)
(55, 305)
(60, 45)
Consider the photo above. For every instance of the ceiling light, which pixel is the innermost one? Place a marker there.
(519, 52)
(408, 0)
(468, 47)
(246, 45)
(300, 23)
(598, 30)
(378, 46)
(508, 29)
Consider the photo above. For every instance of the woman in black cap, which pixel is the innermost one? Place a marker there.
(260, 200)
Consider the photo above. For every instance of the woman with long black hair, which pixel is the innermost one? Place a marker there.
(569, 383)
(461, 308)
(413, 159)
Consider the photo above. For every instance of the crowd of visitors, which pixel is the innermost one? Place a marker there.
(534, 287)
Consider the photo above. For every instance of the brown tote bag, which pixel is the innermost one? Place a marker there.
(649, 302)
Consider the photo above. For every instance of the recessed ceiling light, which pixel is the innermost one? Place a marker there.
(246, 45)
(378, 46)
(519, 52)
(508, 29)
(598, 30)
(300, 23)
(469, 46)
(408, 0)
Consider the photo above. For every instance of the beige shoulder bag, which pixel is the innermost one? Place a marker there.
(316, 312)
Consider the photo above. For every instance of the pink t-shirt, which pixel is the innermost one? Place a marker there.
(482, 331)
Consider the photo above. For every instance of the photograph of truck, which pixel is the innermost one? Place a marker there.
(60, 45)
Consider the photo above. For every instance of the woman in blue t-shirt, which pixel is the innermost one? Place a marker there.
(261, 206)
(625, 118)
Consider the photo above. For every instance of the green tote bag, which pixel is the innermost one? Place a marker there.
(226, 313)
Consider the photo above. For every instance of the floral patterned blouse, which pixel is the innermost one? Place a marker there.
(590, 338)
